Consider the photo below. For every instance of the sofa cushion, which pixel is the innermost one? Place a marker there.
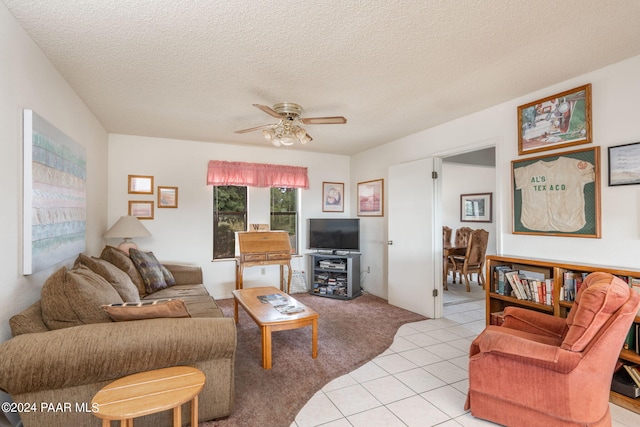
(179, 291)
(28, 321)
(599, 297)
(121, 260)
(147, 310)
(74, 297)
(154, 275)
(119, 279)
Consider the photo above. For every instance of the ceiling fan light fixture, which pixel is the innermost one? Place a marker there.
(300, 133)
(288, 130)
(287, 139)
(269, 134)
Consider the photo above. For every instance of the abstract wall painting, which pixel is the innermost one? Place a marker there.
(55, 201)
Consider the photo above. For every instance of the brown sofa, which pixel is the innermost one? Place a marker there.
(65, 347)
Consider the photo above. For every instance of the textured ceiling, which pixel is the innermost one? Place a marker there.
(191, 69)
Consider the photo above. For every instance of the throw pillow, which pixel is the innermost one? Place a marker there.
(121, 260)
(119, 279)
(74, 297)
(153, 273)
(147, 310)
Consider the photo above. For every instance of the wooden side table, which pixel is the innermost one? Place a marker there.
(150, 392)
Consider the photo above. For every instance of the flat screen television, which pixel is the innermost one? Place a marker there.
(334, 234)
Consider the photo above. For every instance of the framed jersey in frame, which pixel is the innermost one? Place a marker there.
(557, 195)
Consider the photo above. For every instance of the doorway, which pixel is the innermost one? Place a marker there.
(471, 172)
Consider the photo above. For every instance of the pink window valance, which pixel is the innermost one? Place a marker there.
(256, 175)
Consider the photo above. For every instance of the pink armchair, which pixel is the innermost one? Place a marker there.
(541, 370)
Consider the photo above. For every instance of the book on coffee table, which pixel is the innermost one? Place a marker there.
(280, 303)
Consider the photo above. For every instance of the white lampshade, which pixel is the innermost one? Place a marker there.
(127, 227)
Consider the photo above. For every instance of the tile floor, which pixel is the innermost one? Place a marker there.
(421, 380)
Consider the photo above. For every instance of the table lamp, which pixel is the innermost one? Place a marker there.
(127, 227)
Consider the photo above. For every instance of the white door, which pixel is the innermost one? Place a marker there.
(412, 250)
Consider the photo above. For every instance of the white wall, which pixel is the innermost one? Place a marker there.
(460, 179)
(28, 80)
(186, 234)
(615, 93)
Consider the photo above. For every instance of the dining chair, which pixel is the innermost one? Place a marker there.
(473, 259)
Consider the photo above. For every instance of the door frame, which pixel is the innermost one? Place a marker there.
(498, 198)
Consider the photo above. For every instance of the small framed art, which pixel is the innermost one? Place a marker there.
(558, 121)
(475, 207)
(332, 197)
(371, 198)
(141, 209)
(167, 197)
(624, 164)
(140, 184)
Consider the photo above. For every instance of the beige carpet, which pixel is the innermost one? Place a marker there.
(350, 333)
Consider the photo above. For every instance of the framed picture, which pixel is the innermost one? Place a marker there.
(141, 209)
(167, 197)
(371, 198)
(54, 195)
(624, 164)
(475, 207)
(561, 120)
(332, 197)
(140, 184)
(557, 195)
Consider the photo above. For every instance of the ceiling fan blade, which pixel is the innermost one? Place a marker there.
(252, 129)
(270, 111)
(336, 120)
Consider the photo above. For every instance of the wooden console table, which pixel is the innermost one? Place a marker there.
(259, 248)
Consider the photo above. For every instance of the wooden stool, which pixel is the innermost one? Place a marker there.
(150, 392)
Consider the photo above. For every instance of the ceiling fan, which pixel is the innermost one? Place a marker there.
(289, 127)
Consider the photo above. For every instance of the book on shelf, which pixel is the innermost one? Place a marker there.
(634, 283)
(571, 284)
(499, 280)
(633, 373)
(514, 281)
(623, 383)
(630, 340)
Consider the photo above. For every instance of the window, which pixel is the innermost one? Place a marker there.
(229, 216)
(284, 213)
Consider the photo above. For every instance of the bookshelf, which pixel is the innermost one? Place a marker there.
(556, 271)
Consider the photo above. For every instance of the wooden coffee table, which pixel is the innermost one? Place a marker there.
(270, 319)
(150, 392)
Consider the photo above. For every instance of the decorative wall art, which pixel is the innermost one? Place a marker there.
(558, 195)
(475, 207)
(167, 197)
(140, 184)
(371, 198)
(141, 209)
(561, 120)
(332, 197)
(55, 202)
(624, 164)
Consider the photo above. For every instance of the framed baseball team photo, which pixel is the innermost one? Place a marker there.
(557, 195)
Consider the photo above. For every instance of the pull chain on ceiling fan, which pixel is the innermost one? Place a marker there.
(289, 128)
